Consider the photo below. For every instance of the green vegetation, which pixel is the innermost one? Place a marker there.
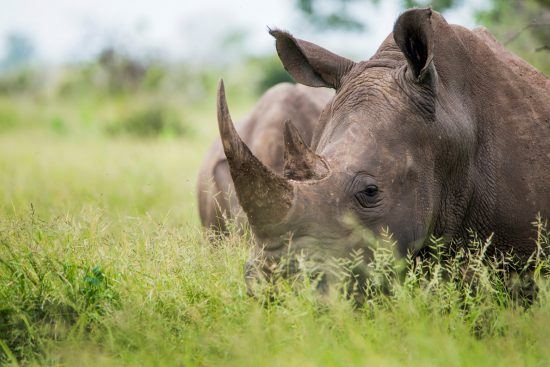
(103, 261)
(133, 282)
(523, 26)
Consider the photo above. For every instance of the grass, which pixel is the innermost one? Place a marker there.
(102, 262)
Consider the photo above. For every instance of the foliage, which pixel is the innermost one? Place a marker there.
(152, 121)
(163, 102)
(108, 266)
(439, 5)
(523, 26)
(19, 52)
(8, 116)
(271, 72)
(326, 15)
(43, 297)
(336, 17)
(20, 80)
(102, 261)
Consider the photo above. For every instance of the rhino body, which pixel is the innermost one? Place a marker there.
(262, 130)
(441, 132)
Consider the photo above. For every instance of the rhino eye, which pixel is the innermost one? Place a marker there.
(368, 196)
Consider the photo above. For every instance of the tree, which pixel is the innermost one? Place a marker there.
(19, 51)
(326, 15)
(329, 14)
(523, 26)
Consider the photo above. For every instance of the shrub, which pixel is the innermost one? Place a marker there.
(89, 291)
(21, 81)
(9, 116)
(270, 71)
(153, 121)
(42, 297)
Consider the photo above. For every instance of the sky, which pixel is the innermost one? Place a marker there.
(69, 30)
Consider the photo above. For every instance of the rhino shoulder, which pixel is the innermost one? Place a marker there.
(517, 64)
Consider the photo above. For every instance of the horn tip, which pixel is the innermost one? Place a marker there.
(287, 131)
(224, 119)
(222, 103)
(291, 133)
(287, 124)
(221, 87)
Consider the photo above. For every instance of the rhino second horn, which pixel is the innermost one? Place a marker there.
(301, 163)
(265, 197)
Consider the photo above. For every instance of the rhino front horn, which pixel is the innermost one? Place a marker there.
(265, 197)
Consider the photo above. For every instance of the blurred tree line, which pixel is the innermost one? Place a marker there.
(523, 26)
(19, 51)
(118, 93)
(122, 93)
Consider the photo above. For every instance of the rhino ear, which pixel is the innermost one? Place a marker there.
(308, 63)
(413, 34)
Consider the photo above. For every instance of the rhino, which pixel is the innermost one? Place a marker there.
(262, 130)
(440, 133)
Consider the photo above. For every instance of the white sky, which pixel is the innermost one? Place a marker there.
(76, 29)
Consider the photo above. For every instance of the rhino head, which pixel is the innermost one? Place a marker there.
(385, 151)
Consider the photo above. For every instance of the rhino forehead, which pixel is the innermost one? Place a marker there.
(367, 85)
(347, 140)
(360, 109)
(359, 135)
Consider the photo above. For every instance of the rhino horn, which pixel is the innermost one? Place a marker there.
(301, 163)
(265, 197)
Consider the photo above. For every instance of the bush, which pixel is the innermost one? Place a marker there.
(20, 81)
(150, 122)
(42, 297)
(120, 71)
(271, 72)
(9, 116)
(90, 289)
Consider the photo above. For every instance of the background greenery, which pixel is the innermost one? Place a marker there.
(103, 262)
(522, 25)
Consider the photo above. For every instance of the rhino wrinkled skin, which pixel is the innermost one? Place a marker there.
(442, 131)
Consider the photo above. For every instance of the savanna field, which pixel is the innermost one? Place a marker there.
(103, 261)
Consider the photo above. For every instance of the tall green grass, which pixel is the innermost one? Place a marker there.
(82, 289)
(103, 262)
(108, 266)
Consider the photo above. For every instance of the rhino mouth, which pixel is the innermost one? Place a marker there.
(318, 274)
(269, 270)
